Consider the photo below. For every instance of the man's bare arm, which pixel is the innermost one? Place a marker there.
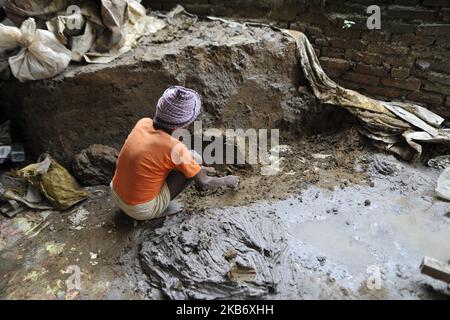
(205, 182)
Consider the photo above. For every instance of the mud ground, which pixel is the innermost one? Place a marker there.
(347, 214)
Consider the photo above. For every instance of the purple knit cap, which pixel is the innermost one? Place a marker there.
(177, 108)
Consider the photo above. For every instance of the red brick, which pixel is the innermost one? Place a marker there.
(411, 84)
(314, 31)
(383, 92)
(379, 71)
(335, 63)
(435, 3)
(410, 13)
(443, 42)
(321, 42)
(347, 44)
(411, 38)
(400, 73)
(333, 52)
(365, 57)
(433, 29)
(398, 61)
(439, 77)
(437, 87)
(387, 49)
(351, 85)
(375, 36)
(397, 27)
(447, 101)
(426, 97)
(445, 14)
(361, 78)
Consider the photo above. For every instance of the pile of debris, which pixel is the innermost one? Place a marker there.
(53, 33)
(42, 185)
(48, 185)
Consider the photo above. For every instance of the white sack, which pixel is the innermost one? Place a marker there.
(42, 56)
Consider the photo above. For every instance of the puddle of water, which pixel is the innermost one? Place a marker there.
(395, 228)
(418, 232)
(336, 244)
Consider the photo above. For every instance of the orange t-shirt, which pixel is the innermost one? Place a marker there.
(145, 161)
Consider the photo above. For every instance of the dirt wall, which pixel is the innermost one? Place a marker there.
(408, 59)
(248, 78)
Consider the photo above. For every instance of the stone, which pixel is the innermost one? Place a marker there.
(95, 165)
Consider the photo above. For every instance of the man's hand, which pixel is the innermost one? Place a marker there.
(204, 182)
(232, 181)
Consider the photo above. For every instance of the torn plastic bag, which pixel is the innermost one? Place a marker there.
(75, 32)
(181, 18)
(443, 185)
(106, 30)
(54, 182)
(113, 17)
(135, 24)
(31, 200)
(42, 55)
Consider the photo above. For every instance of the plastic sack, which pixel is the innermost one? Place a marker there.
(42, 56)
(54, 182)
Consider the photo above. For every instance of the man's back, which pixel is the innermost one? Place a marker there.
(144, 163)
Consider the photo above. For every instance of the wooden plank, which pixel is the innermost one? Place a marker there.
(435, 269)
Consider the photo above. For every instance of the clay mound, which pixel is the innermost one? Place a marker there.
(248, 77)
(95, 165)
(240, 255)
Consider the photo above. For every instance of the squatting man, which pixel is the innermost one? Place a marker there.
(148, 176)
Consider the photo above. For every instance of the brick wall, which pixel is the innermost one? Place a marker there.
(408, 59)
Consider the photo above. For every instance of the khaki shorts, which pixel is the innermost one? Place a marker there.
(147, 211)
